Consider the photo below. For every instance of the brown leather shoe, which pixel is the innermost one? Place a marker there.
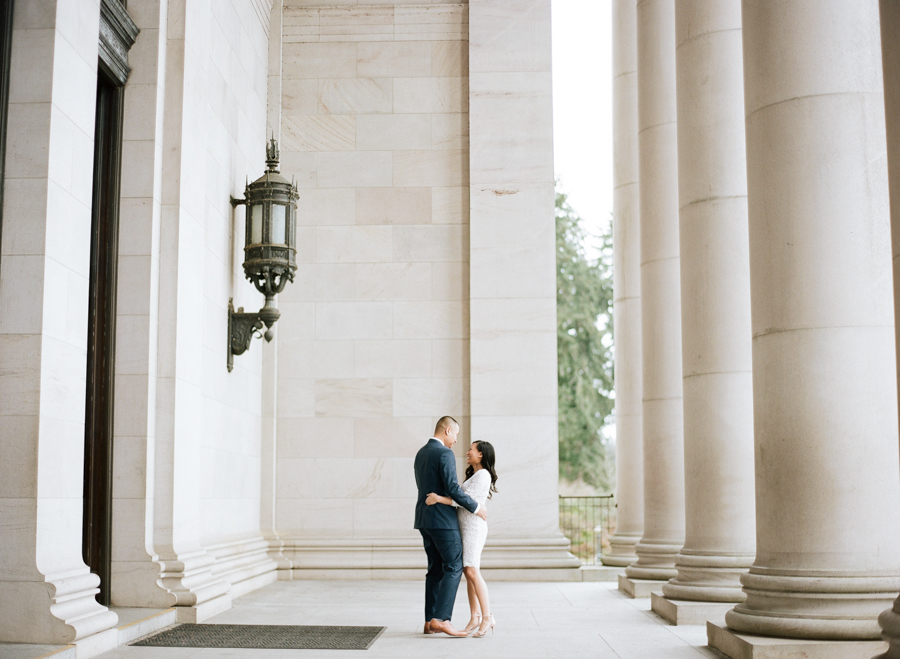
(427, 629)
(444, 626)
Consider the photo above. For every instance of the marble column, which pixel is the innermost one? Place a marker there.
(135, 573)
(627, 291)
(186, 577)
(660, 294)
(824, 374)
(47, 593)
(715, 304)
(890, 48)
(512, 276)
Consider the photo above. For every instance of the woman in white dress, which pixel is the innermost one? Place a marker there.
(479, 484)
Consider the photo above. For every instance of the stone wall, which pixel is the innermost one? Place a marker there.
(373, 341)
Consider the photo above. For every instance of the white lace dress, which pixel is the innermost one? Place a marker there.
(473, 528)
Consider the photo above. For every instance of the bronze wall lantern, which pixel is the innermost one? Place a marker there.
(270, 251)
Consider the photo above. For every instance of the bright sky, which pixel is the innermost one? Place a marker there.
(582, 112)
(582, 106)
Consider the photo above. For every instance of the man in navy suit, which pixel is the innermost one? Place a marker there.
(435, 468)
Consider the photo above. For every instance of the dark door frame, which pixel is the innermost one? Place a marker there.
(117, 34)
(100, 400)
(6, 32)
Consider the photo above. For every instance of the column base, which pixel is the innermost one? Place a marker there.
(639, 588)
(683, 612)
(747, 646)
(708, 578)
(236, 568)
(276, 553)
(56, 610)
(189, 580)
(649, 574)
(621, 550)
(890, 631)
(617, 561)
(204, 611)
(704, 593)
(812, 605)
(244, 564)
(133, 624)
(656, 561)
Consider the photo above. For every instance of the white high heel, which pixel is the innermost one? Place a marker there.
(477, 625)
(482, 632)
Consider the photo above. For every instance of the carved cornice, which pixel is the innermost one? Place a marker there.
(117, 35)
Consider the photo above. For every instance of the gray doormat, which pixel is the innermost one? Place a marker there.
(261, 637)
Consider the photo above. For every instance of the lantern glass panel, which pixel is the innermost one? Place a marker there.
(279, 218)
(256, 224)
(289, 222)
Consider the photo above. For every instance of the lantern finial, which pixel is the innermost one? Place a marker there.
(272, 155)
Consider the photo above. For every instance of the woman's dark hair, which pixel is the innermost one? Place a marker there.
(487, 463)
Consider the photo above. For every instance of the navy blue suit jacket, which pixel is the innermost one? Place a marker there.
(436, 472)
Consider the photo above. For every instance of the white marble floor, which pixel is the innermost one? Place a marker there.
(564, 620)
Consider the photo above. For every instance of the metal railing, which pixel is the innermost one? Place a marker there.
(588, 522)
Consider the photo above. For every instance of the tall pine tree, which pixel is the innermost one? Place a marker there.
(584, 305)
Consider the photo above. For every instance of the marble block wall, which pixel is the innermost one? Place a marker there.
(373, 339)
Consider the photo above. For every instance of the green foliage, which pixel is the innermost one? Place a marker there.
(584, 306)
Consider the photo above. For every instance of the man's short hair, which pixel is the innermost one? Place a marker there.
(444, 422)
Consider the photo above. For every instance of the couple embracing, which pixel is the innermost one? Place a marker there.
(453, 524)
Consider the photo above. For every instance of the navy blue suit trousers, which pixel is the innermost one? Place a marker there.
(444, 550)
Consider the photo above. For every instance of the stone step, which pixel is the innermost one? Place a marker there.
(136, 622)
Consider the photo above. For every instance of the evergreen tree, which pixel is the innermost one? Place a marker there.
(584, 304)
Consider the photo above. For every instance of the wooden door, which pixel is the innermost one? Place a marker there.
(98, 427)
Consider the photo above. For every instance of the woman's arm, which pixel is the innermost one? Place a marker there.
(433, 498)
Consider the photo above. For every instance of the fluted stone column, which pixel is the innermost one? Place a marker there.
(715, 304)
(890, 48)
(627, 291)
(824, 375)
(660, 295)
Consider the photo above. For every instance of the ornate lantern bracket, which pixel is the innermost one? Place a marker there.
(242, 327)
(270, 250)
